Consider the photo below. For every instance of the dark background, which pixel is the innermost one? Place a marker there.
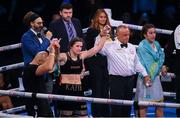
(12, 11)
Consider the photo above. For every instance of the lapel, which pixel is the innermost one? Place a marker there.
(63, 27)
(34, 37)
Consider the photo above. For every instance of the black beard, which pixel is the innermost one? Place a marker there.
(37, 29)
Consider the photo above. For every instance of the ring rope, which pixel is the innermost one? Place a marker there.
(5, 115)
(14, 110)
(18, 65)
(12, 66)
(10, 47)
(87, 99)
(167, 94)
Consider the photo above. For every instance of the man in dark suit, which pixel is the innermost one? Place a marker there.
(66, 27)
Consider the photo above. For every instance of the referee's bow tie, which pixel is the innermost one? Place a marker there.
(124, 45)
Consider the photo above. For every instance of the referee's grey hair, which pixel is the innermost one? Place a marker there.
(121, 26)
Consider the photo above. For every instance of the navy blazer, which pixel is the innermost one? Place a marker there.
(59, 31)
(31, 45)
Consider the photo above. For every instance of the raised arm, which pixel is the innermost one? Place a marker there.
(103, 36)
(49, 62)
(94, 50)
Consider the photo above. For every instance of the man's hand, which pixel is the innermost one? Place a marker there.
(164, 70)
(49, 35)
(55, 42)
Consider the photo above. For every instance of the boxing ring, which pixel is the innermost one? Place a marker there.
(17, 93)
(86, 99)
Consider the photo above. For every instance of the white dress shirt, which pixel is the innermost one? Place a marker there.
(177, 37)
(40, 39)
(121, 61)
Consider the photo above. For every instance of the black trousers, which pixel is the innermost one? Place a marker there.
(121, 88)
(100, 90)
(43, 110)
(99, 77)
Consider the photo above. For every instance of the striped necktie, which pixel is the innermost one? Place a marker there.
(70, 30)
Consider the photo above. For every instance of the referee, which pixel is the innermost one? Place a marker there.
(123, 64)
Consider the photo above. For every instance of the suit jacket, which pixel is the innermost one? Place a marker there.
(31, 45)
(59, 31)
(91, 35)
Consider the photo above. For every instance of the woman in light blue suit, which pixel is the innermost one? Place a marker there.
(152, 58)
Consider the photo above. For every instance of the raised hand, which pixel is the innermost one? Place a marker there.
(48, 35)
(105, 31)
(55, 42)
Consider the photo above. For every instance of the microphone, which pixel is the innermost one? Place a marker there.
(47, 33)
(44, 30)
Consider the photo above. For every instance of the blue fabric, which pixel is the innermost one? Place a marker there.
(152, 60)
(31, 46)
(70, 30)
